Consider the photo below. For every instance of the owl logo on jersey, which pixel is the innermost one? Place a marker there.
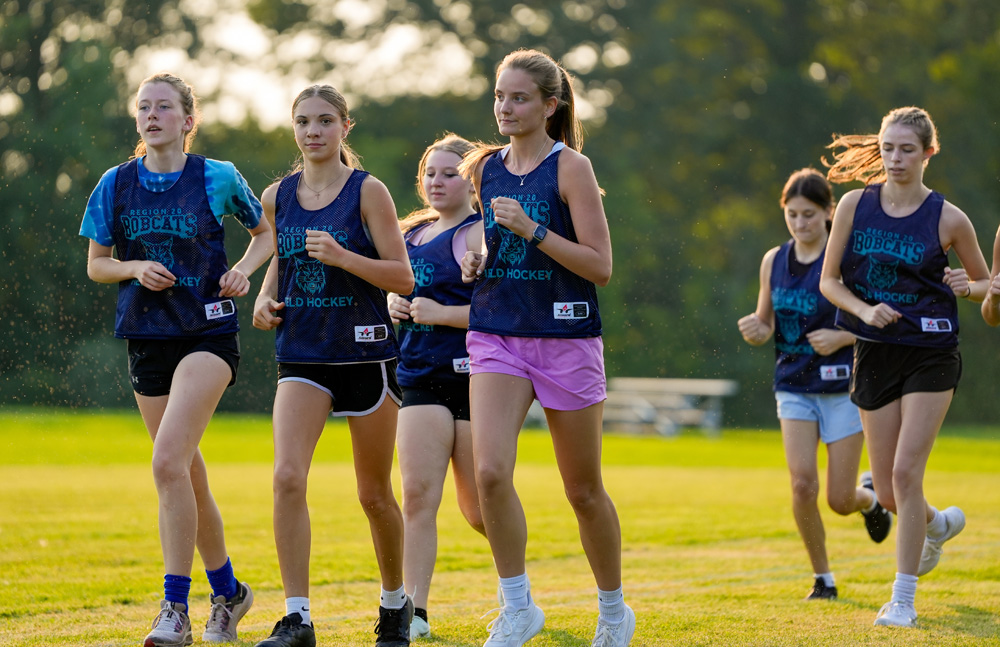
(162, 252)
(423, 272)
(309, 275)
(789, 327)
(882, 275)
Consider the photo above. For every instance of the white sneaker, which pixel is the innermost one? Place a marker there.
(615, 635)
(896, 614)
(225, 614)
(955, 521)
(171, 627)
(419, 628)
(514, 628)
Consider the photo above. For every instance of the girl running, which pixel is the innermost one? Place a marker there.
(161, 213)
(535, 332)
(434, 427)
(886, 269)
(339, 251)
(811, 375)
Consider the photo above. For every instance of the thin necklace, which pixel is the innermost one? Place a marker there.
(303, 179)
(532, 166)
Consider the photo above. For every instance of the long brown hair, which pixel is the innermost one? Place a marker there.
(451, 143)
(552, 81)
(861, 158)
(188, 101)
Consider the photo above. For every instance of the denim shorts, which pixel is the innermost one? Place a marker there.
(837, 416)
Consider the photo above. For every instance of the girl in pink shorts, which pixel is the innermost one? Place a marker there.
(535, 332)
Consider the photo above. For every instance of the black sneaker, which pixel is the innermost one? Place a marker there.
(290, 632)
(878, 522)
(393, 625)
(821, 591)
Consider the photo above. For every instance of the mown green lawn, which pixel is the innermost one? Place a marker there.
(711, 555)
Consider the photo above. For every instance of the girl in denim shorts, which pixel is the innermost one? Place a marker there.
(811, 375)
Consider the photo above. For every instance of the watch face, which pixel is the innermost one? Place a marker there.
(539, 233)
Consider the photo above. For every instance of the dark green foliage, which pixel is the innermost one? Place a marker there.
(716, 103)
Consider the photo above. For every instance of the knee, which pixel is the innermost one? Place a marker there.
(585, 496)
(417, 500)
(376, 500)
(907, 480)
(289, 482)
(843, 504)
(490, 480)
(805, 489)
(169, 469)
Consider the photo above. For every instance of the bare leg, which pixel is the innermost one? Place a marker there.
(425, 439)
(499, 404)
(463, 468)
(300, 413)
(842, 491)
(374, 439)
(801, 440)
(576, 437)
(177, 423)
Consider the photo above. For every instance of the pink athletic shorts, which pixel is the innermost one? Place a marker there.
(567, 374)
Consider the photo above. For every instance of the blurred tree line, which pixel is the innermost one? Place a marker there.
(697, 112)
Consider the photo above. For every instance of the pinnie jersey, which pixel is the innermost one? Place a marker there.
(900, 262)
(429, 351)
(331, 316)
(800, 308)
(522, 291)
(174, 219)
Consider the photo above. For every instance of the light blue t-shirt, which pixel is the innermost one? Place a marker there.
(228, 194)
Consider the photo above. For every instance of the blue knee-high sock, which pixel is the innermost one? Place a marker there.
(223, 581)
(176, 588)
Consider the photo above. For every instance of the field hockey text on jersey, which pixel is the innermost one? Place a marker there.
(159, 221)
(319, 302)
(521, 275)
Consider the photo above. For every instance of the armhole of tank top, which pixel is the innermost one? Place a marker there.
(458, 248)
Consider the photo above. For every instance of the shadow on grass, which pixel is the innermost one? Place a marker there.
(971, 621)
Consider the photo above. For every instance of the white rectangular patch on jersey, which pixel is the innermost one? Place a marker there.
(460, 364)
(370, 333)
(935, 325)
(570, 310)
(834, 372)
(220, 309)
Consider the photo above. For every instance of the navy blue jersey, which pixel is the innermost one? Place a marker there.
(522, 291)
(899, 262)
(428, 351)
(331, 316)
(177, 229)
(800, 308)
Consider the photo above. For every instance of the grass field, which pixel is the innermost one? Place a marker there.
(711, 555)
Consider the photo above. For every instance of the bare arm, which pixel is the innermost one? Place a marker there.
(590, 257)
(267, 307)
(102, 267)
(758, 326)
(236, 282)
(956, 232)
(991, 303)
(391, 270)
(831, 282)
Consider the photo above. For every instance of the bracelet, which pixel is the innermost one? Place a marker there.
(969, 293)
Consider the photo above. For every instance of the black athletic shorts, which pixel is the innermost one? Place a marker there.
(887, 372)
(152, 362)
(354, 389)
(451, 394)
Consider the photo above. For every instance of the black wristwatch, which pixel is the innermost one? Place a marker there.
(538, 235)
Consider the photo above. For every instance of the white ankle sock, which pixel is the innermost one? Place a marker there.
(827, 578)
(392, 599)
(299, 606)
(515, 591)
(937, 526)
(904, 589)
(611, 605)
